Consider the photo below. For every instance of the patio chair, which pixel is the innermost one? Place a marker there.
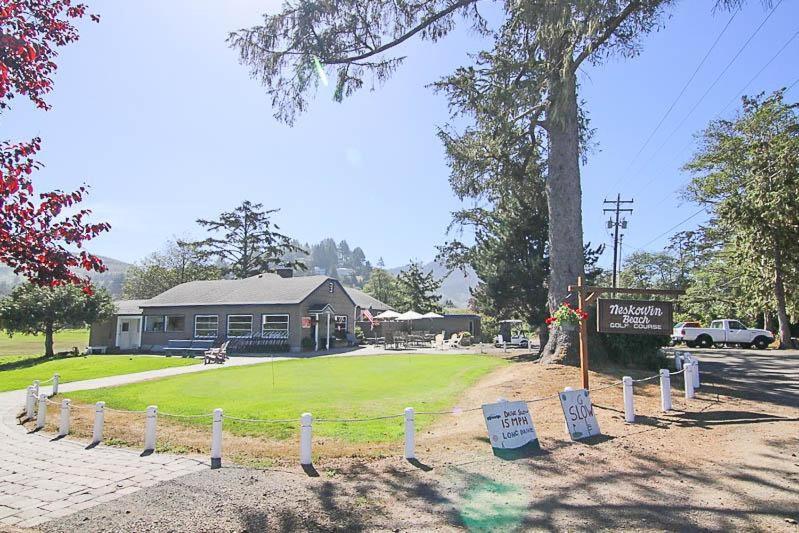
(453, 341)
(438, 342)
(216, 355)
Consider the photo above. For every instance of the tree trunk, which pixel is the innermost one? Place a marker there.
(768, 323)
(48, 339)
(779, 294)
(543, 338)
(564, 197)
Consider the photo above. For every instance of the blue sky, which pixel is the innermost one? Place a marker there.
(153, 111)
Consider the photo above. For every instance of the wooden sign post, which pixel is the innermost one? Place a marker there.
(587, 295)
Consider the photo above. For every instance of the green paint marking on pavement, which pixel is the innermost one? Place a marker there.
(492, 506)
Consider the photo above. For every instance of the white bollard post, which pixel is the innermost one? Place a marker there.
(30, 403)
(56, 378)
(409, 434)
(695, 368)
(63, 427)
(629, 408)
(41, 416)
(678, 360)
(150, 419)
(216, 440)
(665, 390)
(305, 438)
(99, 419)
(688, 376)
(36, 387)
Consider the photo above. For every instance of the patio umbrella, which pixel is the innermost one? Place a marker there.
(432, 315)
(410, 315)
(387, 315)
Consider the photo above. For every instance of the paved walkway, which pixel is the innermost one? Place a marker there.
(41, 479)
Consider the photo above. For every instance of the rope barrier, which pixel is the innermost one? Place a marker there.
(172, 415)
(370, 419)
(265, 420)
(650, 378)
(677, 372)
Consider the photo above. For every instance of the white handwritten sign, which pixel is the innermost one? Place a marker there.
(510, 428)
(579, 413)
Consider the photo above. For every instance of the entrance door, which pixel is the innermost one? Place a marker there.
(129, 333)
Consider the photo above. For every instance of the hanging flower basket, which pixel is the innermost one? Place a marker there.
(566, 318)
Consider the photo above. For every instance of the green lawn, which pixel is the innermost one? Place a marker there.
(21, 374)
(25, 346)
(330, 387)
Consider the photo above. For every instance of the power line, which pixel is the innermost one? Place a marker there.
(682, 92)
(736, 95)
(675, 226)
(712, 85)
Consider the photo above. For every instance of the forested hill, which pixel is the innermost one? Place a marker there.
(112, 279)
(456, 286)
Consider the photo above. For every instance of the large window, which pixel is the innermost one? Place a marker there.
(341, 327)
(206, 326)
(275, 327)
(175, 323)
(239, 325)
(154, 324)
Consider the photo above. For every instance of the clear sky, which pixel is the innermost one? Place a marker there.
(153, 111)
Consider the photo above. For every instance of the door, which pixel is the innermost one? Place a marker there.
(737, 333)
(129, 333)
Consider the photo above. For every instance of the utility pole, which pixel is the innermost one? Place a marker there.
(616, 225)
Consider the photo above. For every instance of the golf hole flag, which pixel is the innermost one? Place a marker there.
(579, 413)
(510, 429)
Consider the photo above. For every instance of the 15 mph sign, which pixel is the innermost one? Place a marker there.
(510, 429)
(636, 317)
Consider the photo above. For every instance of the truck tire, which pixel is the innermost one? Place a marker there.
(705, 341)
(690, 344)
(761, 343)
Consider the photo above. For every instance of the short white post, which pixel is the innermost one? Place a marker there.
(409, 434)
(678, 360)
(99, 419)
(629, 408)
(150, 419)
(695, 368)
(216, 440)
(63, 426)
(30, 403)
(56, 377)
(36, 387)
(665, 390)
(688, 376)
(305, 438)
(41, 416)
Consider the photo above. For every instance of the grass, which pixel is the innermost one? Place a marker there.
(21, 347)
(330, 387)
(20, 374)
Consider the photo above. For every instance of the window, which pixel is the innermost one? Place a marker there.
(206, 326)
(176, 323)
(341, 327)
(239, 325)
(717, 324)
(275, 327)
(734, 324)
(154, 324)
(125, 326)
(331, 286)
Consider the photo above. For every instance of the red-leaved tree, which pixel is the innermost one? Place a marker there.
(39, 233)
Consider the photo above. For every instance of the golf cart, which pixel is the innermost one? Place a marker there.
(511, 335)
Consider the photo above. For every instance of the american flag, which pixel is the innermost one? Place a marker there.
(368, 315)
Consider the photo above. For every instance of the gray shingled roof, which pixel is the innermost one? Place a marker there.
(261, 289)
(129, 307)
(366, 301)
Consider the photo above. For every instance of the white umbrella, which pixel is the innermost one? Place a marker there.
(432, 315)
(387, 315)
(410, 315)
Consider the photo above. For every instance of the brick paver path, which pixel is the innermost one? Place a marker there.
(42, 479)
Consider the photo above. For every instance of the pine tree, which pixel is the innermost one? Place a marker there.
(416, 290)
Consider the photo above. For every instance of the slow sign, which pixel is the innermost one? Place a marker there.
(579, 413)
(510, 429)
(636, 317)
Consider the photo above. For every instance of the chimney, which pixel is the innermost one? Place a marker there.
(285, 272)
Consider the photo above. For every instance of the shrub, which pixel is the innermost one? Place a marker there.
(636, 350)
(466, 338)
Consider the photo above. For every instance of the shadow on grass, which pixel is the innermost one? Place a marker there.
(33, 361)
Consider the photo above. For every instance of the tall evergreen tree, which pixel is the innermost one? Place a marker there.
(746, 172)
(417, 290)
(248, 242)
(382, 286)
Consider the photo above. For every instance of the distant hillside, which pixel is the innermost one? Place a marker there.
(456, 285)
(112, 279)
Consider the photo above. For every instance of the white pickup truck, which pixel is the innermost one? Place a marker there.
(728, 332)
